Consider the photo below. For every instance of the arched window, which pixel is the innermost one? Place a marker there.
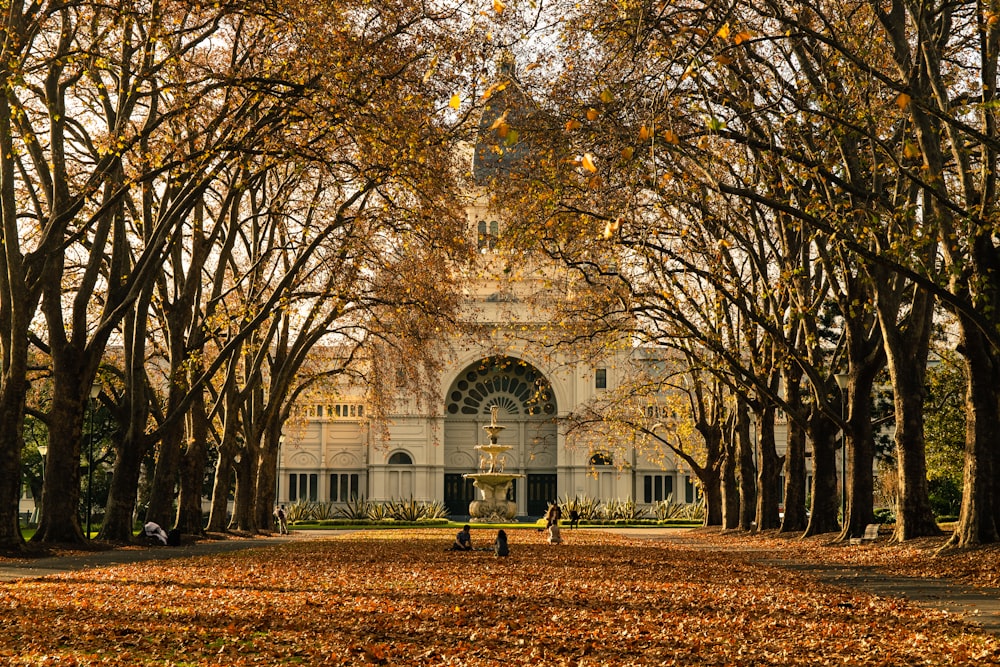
(400, 459)
(488, 234)
(483, 239)
(601, 459)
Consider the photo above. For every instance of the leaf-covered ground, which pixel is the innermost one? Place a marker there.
(398, 598)
(924, 557)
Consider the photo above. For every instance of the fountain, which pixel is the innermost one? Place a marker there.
(492, 481)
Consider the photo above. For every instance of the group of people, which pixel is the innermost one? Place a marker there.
(463, 540)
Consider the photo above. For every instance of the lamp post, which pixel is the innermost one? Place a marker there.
(842, 379)
(277, 468)
(95, 391)
(43, 450)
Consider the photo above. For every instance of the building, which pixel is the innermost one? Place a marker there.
(333, 455)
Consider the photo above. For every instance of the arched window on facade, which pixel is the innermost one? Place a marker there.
(487, 234)
(400, 459)
(399, 482)
(601, 482)
(601, 459)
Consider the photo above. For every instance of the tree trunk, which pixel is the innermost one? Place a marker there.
(244, 516)
(795, 518)
(218, 519)
(730, 487)
(713, 498)
(12, 416)
(860, 455)
(745, 471)
(977, 523)
(769, 473)
(16, 312)
(60, 519)
(119, 515)
(906, 349)
(164, 489)
(190, 518)
(825, 500)
(267, 475)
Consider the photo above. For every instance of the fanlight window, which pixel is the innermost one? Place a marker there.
(601, 459)
(518, 387)
(400, 459)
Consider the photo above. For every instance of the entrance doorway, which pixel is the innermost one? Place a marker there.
(541, 491)
(458, 493)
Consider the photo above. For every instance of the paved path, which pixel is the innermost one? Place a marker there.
(979, 606)
(30, 568)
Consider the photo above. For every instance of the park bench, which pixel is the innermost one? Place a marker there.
(871, 534)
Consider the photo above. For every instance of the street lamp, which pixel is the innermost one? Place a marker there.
(842, 379)
(43, 450)
(277, 468)
(95, 391)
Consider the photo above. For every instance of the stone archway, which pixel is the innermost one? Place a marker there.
(527, 407)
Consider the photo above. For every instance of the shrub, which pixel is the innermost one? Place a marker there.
(621, 511)
(884, 515)
(356, 509)
(945, 496)
(588, 508)
(324, 511)
(299, 511)
(404, 510)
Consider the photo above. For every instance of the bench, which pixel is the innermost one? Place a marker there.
(871, 534)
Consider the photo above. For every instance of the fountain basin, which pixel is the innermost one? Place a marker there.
(493, 507)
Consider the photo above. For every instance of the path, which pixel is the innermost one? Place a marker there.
(979, 606)
(31, 568)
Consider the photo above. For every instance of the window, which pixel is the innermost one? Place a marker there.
(303, 486)
(344, 487)
(487, 237)
(601, 378)
(657, 488)
(345, 411)
(601, 459)
(400, 459)
(692, 493)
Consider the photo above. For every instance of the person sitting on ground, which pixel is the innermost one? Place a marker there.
(463, 541)
(500, 548)
(552, 518)
(152, 530)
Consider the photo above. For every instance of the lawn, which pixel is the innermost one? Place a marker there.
(399, 598)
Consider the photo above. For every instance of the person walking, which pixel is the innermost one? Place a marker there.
(279, 514)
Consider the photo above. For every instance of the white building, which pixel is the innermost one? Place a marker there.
(334, 456)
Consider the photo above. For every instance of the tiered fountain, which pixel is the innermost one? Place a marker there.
(492, 481)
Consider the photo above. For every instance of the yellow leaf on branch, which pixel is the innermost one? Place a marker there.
(455, 101)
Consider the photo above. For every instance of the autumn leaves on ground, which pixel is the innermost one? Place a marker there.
(399, 598)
